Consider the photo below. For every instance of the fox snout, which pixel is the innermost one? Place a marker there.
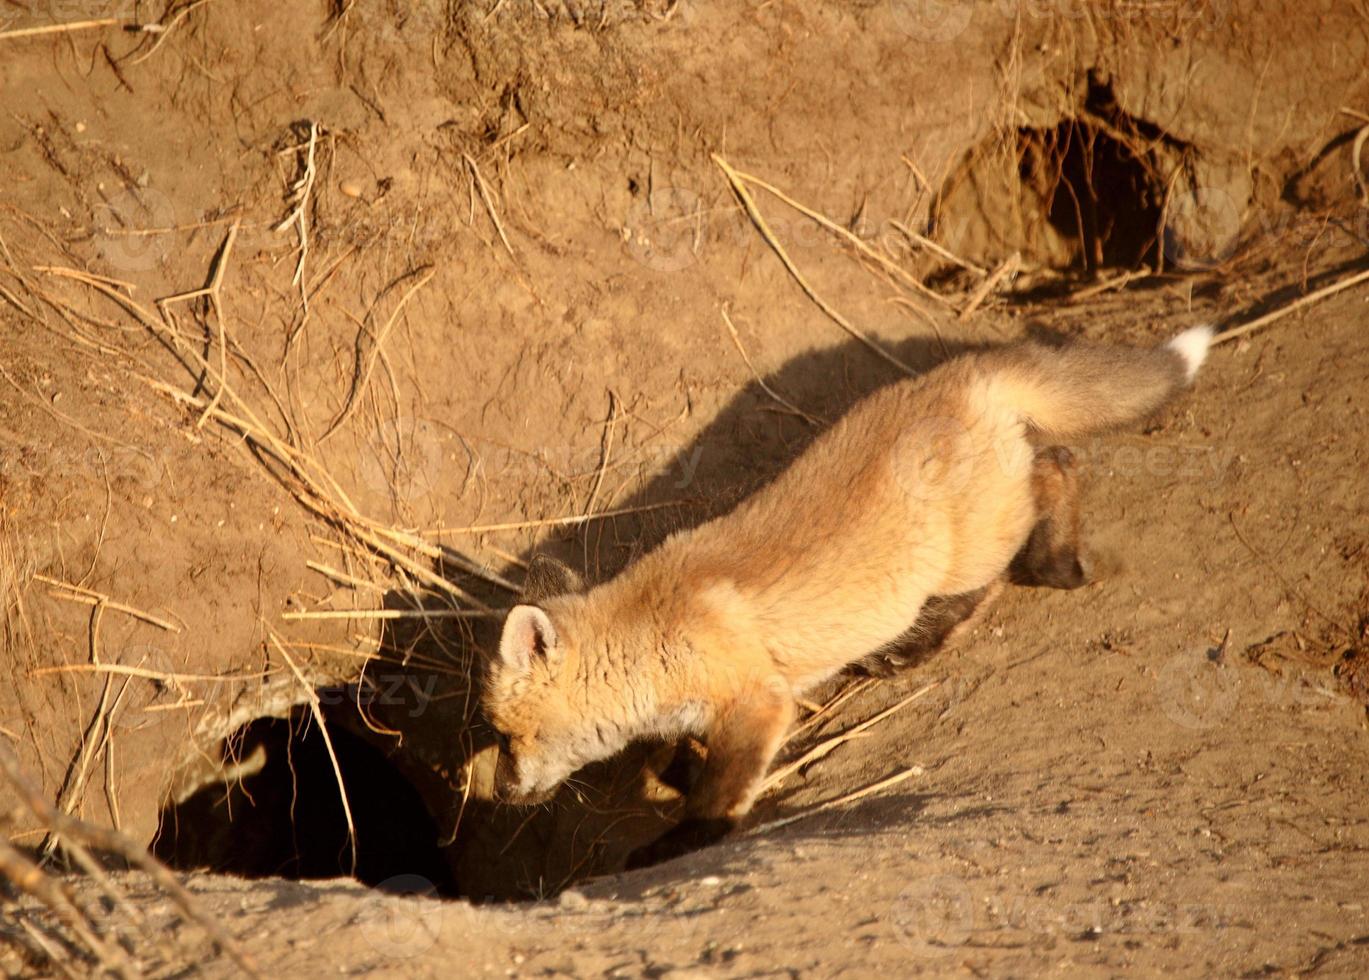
(508, 788)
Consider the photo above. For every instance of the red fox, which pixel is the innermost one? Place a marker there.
(926, 488)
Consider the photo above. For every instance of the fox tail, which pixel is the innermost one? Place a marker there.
(1083, 388)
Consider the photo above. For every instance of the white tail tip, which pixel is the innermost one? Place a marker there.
(1192, 346)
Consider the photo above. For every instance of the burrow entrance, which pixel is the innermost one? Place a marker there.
(1094, 190)
(269, 806)
(276, 811)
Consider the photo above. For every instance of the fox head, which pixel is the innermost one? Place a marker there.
(548, 720)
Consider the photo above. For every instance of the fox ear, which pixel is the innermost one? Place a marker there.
(548, 577)
(528, 634)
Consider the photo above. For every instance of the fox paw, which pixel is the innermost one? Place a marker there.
(691, 834)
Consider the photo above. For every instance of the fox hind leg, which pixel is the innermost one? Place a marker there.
(1051, 555)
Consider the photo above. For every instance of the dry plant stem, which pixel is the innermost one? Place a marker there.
(212, 292)
(29, 878)
(826, 746)
(152, 675)
(316, 500)
(363, 376)
(743, 195)
(1261, 322)
(489, 204)
(317, 712)
(342, 578)
(940, 250)
(394, 614)
(1117, 282)
(299, 213)
(90, 597)
(836, 229)
(93, 740)
(1357, 149)
(55, 956)
(851, 797)
(113, 841)
(986, 288)
(89, 278)
(165, 31)
(605, 449)
(81, 854)
(737, 341)
(75, 25)
(551, 521)
(1356, 152)
(848, 692)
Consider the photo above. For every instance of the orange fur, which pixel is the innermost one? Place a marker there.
(926, 488)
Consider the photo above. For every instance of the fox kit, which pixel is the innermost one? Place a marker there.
(928, 488)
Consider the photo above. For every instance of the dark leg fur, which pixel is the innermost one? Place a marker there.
(939, 618)
(1050, 558)
(684, 767)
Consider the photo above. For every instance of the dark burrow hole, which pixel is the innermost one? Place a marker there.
(1099, 193)
(276, 811)
(1084, 194)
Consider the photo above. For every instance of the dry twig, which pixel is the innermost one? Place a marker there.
(67, 28)
(106, 839)
(317, 711)
(826, 746)
(89, 597)
(737, 341)
(1261, 322)
(851, 797)
(753, 212)
(985, 288)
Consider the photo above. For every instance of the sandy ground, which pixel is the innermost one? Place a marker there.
(519, 252)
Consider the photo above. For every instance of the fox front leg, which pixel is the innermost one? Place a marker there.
(742, 741)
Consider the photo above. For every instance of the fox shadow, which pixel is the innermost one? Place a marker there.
(752, 438)
(503, 852)
(856, 825)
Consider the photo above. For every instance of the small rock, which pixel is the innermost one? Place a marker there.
(571, 899)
